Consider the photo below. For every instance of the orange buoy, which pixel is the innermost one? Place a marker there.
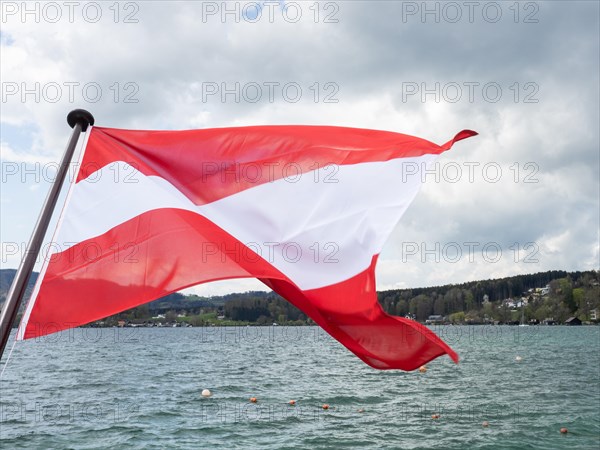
(325, 406)
(423, 369)
(435, 416)
(292, 402)
(563, 430)
(485, 423)
(253, 399)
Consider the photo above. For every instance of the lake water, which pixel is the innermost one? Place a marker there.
(140, 388)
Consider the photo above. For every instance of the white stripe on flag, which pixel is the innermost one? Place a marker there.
(314, 232)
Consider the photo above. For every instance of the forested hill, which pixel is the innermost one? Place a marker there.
(6, 278)
(497, 289)
(554, 295)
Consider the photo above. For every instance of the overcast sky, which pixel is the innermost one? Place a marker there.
(521, 197)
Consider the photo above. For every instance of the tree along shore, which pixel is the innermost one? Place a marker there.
(551, 297)
(544, 298)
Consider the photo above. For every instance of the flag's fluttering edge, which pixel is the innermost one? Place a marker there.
(305, 209)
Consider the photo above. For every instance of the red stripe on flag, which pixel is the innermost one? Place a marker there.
(207, 165)
(152, 255)
(349, 311)
(166, 250)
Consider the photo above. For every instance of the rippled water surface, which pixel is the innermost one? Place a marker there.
(140, 388)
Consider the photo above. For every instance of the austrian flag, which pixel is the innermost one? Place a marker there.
(305, 209)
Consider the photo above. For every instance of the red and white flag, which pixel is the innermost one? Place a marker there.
(305, 209)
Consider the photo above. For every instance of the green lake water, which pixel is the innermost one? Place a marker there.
(140, 388)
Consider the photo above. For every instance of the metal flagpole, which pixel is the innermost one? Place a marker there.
(79, 120)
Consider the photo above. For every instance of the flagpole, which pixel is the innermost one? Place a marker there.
(79, 120)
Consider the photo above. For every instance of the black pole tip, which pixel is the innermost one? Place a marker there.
(80, 116)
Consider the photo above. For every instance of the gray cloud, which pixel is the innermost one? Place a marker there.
(371, 55)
